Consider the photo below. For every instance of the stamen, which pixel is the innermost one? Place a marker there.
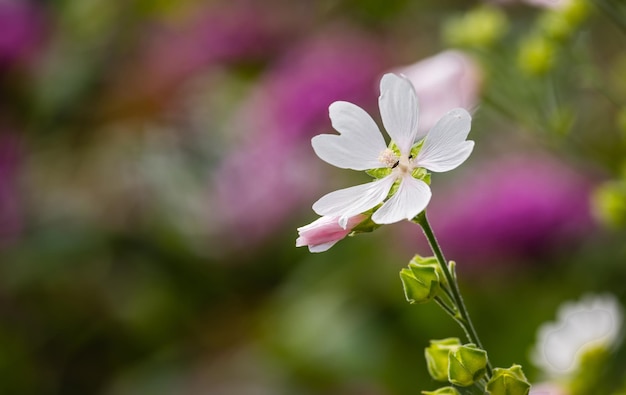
(388, 158)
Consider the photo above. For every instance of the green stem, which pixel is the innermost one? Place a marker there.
(464, 320)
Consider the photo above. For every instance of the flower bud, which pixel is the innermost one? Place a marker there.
(467, 364)
(480, 27)
(511, 381)
(609, 204)
(437, 357)
(536, 55)
(443, 391)
(325, 232)
(421, 280)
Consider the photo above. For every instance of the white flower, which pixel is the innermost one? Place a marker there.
(361, 146)
(593, 322)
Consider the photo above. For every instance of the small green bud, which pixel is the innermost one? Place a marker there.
(467, 364)
(480, 27)
(609, 204)
(511, 381)
(536, 55)
(555, 25)
(443, 391)
(576, 11)
(437, 357)
(420, 283)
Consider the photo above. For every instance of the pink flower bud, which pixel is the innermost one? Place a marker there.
(324, 232)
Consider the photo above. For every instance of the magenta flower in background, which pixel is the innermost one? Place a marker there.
(512, 207)
(273, 171)
(292, 99)
(553, 4)
(447, 80)
(10, 218)
(22, 29)
(219, 34)
(325, 232)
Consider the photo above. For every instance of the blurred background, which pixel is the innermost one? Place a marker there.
(155, 162)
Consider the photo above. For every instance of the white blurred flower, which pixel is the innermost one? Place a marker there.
(546, 389)
(593, 322)
(447, 80)
(361, 146)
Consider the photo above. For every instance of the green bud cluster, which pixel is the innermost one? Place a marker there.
(422, 279)
(537, 51)
(459, 364)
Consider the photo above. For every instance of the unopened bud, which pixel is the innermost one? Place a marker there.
(467, 365)
(421, 280)
(437, 357)
(511, 381)
(443, 391)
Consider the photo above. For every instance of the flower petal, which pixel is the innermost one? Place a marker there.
(445, 146)
(399, 110)
(359, 144)
(410, 199)
(322, 247)
(349, 202)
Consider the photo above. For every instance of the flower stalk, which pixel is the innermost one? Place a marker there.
(461, 316)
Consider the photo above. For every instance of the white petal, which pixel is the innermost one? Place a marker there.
(323, 247)
(359, 144)
(348, 202)
(410, 199)
(445, 146)
(399, 110)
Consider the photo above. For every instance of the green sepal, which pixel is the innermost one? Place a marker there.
(420, 283)
(379, 173)
(421, 174)
(467, 364)
(443, 391)
(437, 357)
(511, 381)
(416, 148)
(365, 226)
(432, 262)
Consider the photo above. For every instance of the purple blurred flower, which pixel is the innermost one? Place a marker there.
(513, 207)
(293, 97)
(217, 35)
(447, 80)
(10, 218)
(274, 171)
(553, 4)
(22, 30)
(259, 185)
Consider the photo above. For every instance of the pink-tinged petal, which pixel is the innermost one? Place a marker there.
(325, 232)
(348, 202)
(445, 147)
(447, 80)
(410, 199)
(359, 144)
(399, 110)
